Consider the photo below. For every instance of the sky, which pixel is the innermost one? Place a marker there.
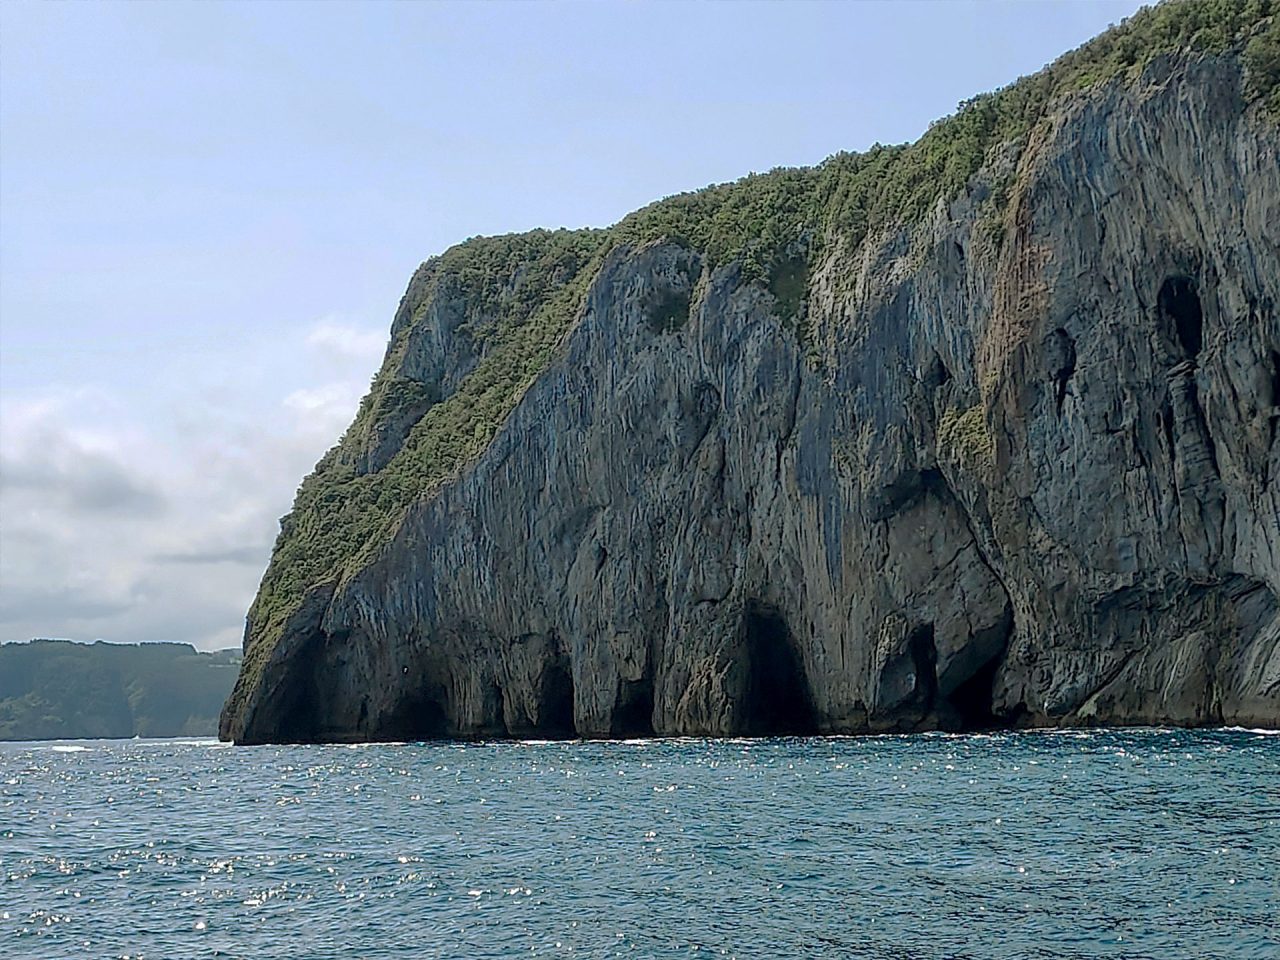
(208, 213)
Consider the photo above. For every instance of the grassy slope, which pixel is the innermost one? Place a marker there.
(523, 291)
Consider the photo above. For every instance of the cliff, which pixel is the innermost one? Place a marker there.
(980, 431)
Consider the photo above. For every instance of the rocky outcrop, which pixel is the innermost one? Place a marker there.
(1012, 464)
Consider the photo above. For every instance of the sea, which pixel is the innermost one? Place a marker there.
(1147, 843)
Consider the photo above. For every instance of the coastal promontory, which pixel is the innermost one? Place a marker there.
(980, 431)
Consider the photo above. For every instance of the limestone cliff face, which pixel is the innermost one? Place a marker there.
(1021, 468)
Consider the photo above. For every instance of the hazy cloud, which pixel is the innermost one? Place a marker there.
(246, 556)
(126, 520)
(82, 483)
(347, 341)
(63, 604)
(330, 403)
(57, 467)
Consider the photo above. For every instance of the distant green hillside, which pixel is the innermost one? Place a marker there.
(55, 689)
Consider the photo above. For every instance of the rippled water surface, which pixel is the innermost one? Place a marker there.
(1148, 843)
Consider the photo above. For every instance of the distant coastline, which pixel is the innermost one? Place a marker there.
(61, 690)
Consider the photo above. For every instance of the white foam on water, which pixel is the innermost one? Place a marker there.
(68, 748)
(1261, 731)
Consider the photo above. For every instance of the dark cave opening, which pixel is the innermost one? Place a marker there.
(495, 708)
(971, 701)
(299, 715)
(924, 658)
(778, 701)
(418, 716)
(1061, 355)
(555, 702)
(906, 490)
(298, 720)
(1181, 310)
(937, 374)
(633, 715)
(968, 706)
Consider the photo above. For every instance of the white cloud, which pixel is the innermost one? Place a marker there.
(347, 341)
(76, 471)
(151, 516)
(92, 502)
(326, 404)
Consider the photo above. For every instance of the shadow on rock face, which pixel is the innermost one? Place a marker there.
(971, 702)
(555, 714)
(633, 716)
(1181, 310)
(777, 699)
(419, 716)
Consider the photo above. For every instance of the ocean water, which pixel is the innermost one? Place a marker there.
(1147, 843)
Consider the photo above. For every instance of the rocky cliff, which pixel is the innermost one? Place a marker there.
(976, 432)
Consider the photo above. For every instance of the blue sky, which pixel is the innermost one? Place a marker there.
(208, 213)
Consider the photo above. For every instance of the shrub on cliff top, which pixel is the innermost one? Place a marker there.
(1262, 61)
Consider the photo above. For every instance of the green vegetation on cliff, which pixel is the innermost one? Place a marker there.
(519, 292)
(523, 292)
(56, 689)
(1262, 61)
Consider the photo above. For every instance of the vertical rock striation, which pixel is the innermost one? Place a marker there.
(1012, 461)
